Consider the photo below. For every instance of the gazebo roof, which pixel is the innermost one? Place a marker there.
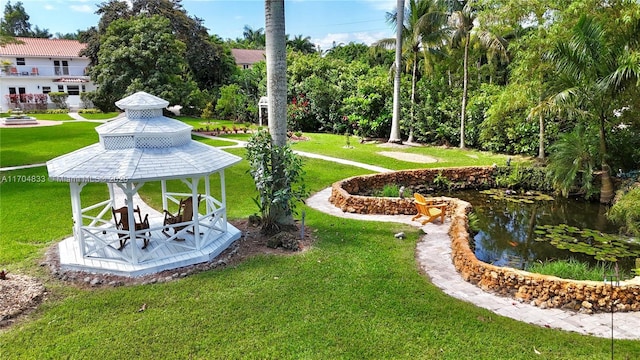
(142, 146)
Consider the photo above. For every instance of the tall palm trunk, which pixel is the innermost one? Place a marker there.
(413, 99)
(465, 82)
(394, 137)
(276, 53)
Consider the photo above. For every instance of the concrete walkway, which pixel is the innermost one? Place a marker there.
(433, 254)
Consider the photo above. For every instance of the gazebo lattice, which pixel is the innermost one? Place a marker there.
(139, 148)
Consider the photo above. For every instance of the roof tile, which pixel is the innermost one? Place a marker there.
(39, 47)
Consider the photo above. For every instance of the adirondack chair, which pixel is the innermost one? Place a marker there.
(122, 223)
(428, 210)
(185, 214)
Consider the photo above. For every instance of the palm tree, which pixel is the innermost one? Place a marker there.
(423, 32)
(254, 38)
(394, 137)
(462, 16)
(276, 54)
(462, 19)
(302, 44)
(593, 69)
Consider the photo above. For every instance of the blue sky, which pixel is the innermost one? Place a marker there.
(325, 21)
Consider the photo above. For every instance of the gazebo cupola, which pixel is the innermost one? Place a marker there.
(141, 147)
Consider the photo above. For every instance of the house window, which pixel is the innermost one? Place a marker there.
(246, 66)
(73, 89)
(17, 91)
(46, 89)
(60, 88)
(20, 61)
(84, 88)
(61, 67)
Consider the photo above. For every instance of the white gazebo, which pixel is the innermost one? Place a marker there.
(144, 147)
(263, 103)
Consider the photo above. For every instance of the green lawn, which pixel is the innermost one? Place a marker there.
(369, 153)
(357, 294)
(23, 146)
(99, 116)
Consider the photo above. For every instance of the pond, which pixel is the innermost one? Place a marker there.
(515, 233)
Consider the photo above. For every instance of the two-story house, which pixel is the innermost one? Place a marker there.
(41, 66)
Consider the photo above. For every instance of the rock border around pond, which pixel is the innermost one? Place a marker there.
(543, 291)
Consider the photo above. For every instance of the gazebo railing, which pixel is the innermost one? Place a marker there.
(212, 226)
(100, 239)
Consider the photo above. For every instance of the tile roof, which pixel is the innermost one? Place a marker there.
(38, 47)
(248, 56)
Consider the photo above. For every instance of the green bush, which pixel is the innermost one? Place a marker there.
(57, 111)
(626, 212)
(278, 175)
(392, 190)
(59, 99)
(89, 111)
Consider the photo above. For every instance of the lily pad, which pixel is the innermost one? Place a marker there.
(606, 247)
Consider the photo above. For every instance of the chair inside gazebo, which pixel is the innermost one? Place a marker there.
(101, 238)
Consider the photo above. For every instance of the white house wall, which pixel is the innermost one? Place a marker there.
(38, 74)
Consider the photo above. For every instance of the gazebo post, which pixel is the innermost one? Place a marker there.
(223, 200)
(207, 193)
(163, 186)
(196, 215)
(112, 195)
(132, 221)
(76, 210)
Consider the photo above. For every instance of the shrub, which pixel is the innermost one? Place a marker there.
(626, 212)
(59, 99)
(278, 176)
(392, 190)
(85, 98)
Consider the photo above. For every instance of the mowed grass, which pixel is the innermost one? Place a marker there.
(24, 146)
(99, 116)
(370, 153)
(356, 294)
(53, 117)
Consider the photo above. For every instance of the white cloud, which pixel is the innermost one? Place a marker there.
(82, 8)
(329, 40)
(49, 7)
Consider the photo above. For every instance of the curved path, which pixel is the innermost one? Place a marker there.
(433, 254)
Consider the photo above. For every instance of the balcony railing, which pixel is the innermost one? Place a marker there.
(49, 70)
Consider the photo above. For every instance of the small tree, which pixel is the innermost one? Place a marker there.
(207, 113)
(59, 99)
(230, 102)
(277, 195)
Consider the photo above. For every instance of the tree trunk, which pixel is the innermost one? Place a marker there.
(606, 184)
(394, 137)
(541, 137)
(276, 54)
(465, 81)
(413, 100)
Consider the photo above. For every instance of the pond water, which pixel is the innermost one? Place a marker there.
(508, 230)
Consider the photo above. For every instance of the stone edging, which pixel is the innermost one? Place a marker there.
(540, 290)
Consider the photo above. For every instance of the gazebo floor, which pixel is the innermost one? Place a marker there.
(158, 256)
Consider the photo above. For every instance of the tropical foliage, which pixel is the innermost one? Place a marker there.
(278, 176)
